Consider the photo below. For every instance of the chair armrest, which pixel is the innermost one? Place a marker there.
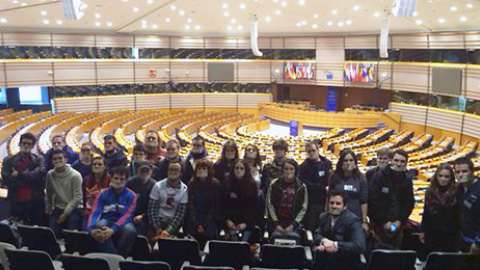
(309, 237)
(308, 253)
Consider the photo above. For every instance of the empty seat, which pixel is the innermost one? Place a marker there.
(141, 250)
(224, 253)
(80, 242)
(7, 235)
(284, 257)
(452, 261)
(195, 267)
(112, 259)
(3, 256)
(40, 238)
(142, 265)
(29, 260)
(74, 262)
(382, 259)
(177, 251)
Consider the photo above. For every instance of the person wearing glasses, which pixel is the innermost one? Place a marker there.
(173, 148)
(59, 143)
(24, 175)
(84, 164)
(114, 156)
(153, 144)
(198, 152)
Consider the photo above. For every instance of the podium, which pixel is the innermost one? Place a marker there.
(296, 128)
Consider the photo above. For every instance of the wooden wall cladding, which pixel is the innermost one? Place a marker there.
(254, 72)
(29, 73)
(161, 101)
(445, 119)
(74, 73)
(412, 78)
(410, 113)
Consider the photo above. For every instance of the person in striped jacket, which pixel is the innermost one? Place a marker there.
(110, 223)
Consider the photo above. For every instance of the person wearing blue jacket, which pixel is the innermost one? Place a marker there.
(59, 143)
(110, 223)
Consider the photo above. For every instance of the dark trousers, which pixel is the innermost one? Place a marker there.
(121, 241)
(391, 239)
(336, 261)
(73, 221)
(441, 242)
(32, 213)
(312, 217)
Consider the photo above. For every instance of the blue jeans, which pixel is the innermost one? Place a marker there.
(142, 227)
(72, 222)
(121, 241)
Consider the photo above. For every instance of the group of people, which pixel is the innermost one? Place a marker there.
(159, 192)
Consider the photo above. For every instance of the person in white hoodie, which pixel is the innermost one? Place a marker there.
(64, 195)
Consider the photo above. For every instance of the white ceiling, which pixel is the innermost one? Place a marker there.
(208, 17)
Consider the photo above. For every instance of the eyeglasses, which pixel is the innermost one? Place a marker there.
(86, 150)
(26, 143)
(152, 139)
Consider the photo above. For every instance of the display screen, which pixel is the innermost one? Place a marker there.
(33, 95)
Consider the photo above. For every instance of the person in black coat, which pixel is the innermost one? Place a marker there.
(384, 155)
(315, 172)
(223, 165)
(441, 213)
(391, 200)
(339, 239)
(274, 169)
(172, 149)
(198, 152)
(58, 142)
(114, 156)
(140, 156)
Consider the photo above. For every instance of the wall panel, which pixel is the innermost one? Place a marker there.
(410, 113)
(300, 43)
(418, 41)
(221, 100)
(115, 72)
(255, 72)
(78, 104)
(29, 73)
(253, 100)
(361, 42)
(190, 100)
(411, 77)
(336, 69)
(142, 71)
(446, 41)
(73, 40)
(74, 73)
(121, 41)
(152, 101)
(472, 40)
(3, 80)
(188, 71)
(26, 39)
(151, 41)
(330, 43)
(220, 43)
(444, 119)
(116, 103)
(473, 82)
(187, 43)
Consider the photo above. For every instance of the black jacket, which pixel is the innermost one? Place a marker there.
(33, 176)
(133, 170)
(470, 200)
(315, 175)
(221, 169)
(237, 204)
(442, 220)
(270, 172)
(189, 165)
(274, 198)
(347, 232)
(118, 159)
(207, 211)
(163, 167)
(72, 156)
(391, 196)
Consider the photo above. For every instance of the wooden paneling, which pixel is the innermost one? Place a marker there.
(29, 73)
(253, 72)
(74, 73)
(417, 41)
(330, 43)
(472, 40)
(336, 69)
(187, 43)
(361, 42)
(78, 105)
(3, 80)
(228, 100)
(122, 41)
(188, 71)
(300, 43)
(445, 119)
(410, 113)
(473, 82)
(190, 100)
(142, 71)
(73, 40)
(116, 103)
(152, 101)
(151, 41)
(471, 125)
(115, 72)
(411, 77)
(26, 39)
(446, 41)
(220, 43)
(384, 75)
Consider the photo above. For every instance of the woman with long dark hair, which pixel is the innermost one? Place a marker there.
(223, 165)
(441, 212)
(239, 201)
(349, 180)
(92, 186)
(254, 160)
(203, 203)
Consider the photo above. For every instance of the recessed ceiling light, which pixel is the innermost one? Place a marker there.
(376, 14)
(225, 5)
(415, 14)
(46, 21)
(356, 8)
(109, 24)
(340, 24)
(268, 19)
(167, 20)
(418, 22)
(59, 22)
(330, 23)
(97, 24)
(15, 1)
(441, 20)
(135, 9)
(181, 13)
(453, 8)
(463, 19)
(315, 15)
(276, 1)
(144, 22)
(187, 27)
(3, 20)
(469, 5)
(299, 24)
(154, 26)
(144, 26)
(24, 4)
(301, 2)
(348, 22)
(240, 27)
(98, 15)
(284, 3)
(315, 26)
(226, 14)
(189, 20)
(197, 27)
(304, 22)
(172, 7)
(229, 27)
(125, 0)
(149, 2)
(334, 12)
(233, 21)
(278, 12)
(242, 6)
(43, 12)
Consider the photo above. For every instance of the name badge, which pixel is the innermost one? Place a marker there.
(233, 195)
(321, 173)
(385, 190)
(348, 187)
(467, 204)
